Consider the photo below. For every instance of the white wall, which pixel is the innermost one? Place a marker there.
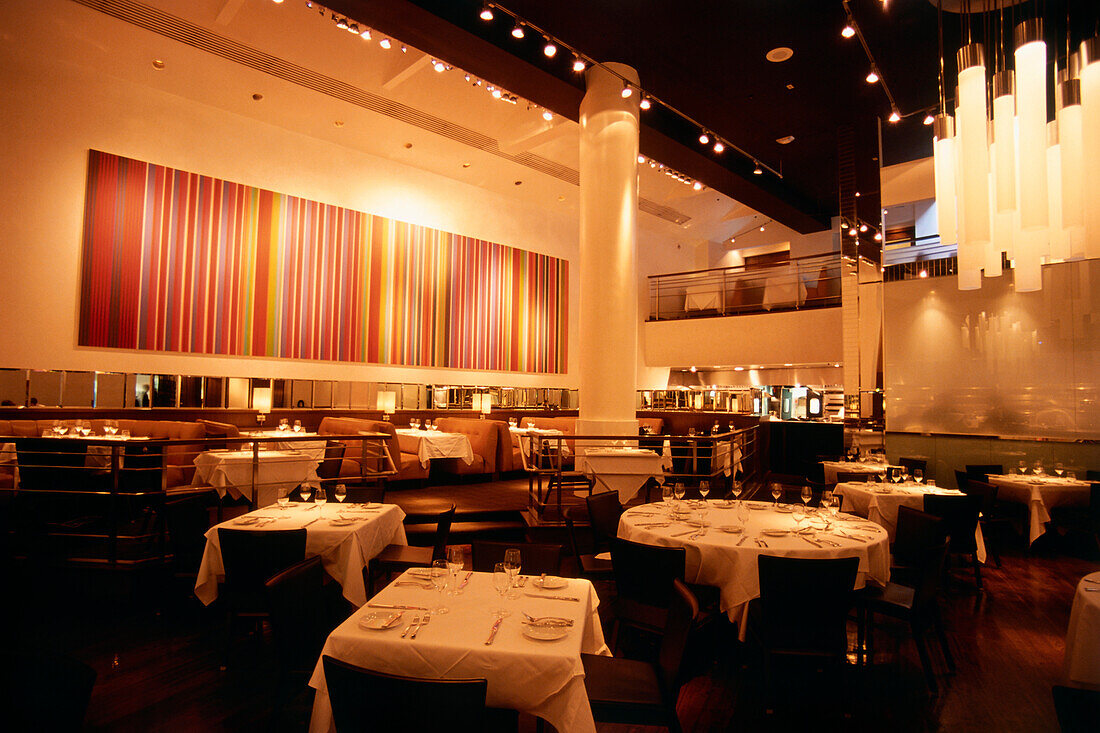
(54, 112)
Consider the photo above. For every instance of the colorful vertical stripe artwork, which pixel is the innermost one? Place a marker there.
(175, 261)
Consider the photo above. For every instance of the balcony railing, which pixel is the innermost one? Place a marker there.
(806, 282)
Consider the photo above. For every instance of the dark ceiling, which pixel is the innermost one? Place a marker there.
(707, 59)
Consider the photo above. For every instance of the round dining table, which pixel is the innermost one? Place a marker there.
(723, 541)
(1083, 636)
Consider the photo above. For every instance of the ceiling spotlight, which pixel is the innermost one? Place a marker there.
(549, 49)
(342, 23)
(497, 94)
(280, 2)
(785, 140)
(353, 28)
(439, 66)
(641, 158)
(733, 240)
(756, 171)
(878, 237)
(645, 103)
(863, 227)
(547, 115)
(365, 34)
(857, 194)
(704, 138)
(487, 13)
(718, 146)
(578, 65)
(929, 119)
(849, 29)
(924, 273)
(894, 116)
(517, 32)
(762, 227)
(404, 48)
(627, 91)
(697, 186)
(852, 232)
(385, 43)
(872, 77)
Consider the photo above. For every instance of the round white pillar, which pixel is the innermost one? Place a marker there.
(608, 322)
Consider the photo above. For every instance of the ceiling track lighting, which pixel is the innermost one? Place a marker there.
(719, 147)
(549, 50)
(894, 116)
(872, 77)
(704, 138)
(645, 103)
(756, 171)
(627, 91)
(517, 31)
(486, 13)
(385, 43)
(875, 75)
(578, 64)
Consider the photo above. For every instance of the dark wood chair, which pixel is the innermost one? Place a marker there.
(588, 564)
(960, 520)
(634, 692)
(44, 692)
(913, 463)
(535, 558)
(916, 531)
(604, 511)
(1077, 708)
(334, 456)
(982, 470)
(299, 622)
(847, 477)
(962, 479)
(363, 700)
(916, 605)
(399, 558)
(991, 518)
(643, 584)
(802, 611)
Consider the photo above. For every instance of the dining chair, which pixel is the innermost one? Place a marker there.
(634, 692)
(916, 531)
(588, 564)
(399, 558)
(1077, 708)
(299, 622)
(991, 518)
(535, 558)
(44, 691)
(366, 494)
(604, 511)
(364, 700)
(981, 471)
(249, 559)
(334, 458)
(802, 611)
(962, 479)
(847, 477)
(960, 521)
(643, 585)
(916, 605)
(914, 463)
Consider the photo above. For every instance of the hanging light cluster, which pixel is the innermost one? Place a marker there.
(1008, 182)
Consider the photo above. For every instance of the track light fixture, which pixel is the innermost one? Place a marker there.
(872, 76)
(756, 171)
(486, 13)
(718, 146)
(645, 103)
(704, 138)
(517, 31)
(549, 50)
(894, 116)
(578, 64)
(385, 43)
(627, 91)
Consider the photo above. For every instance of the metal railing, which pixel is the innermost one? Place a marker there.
(805, 282)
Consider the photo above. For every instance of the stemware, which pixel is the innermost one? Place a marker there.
(502, 581)
(512, 562)
(704, 489)
(806, 496)
(455, 561)
(666, 495)
(1059, 469)
(735, 489)
(283, 425)
(1038, 469)
(777, 491)
(283, 499)
(439, 575)
(341, 493)
(297, 426)
(427, 424)
(320, 499)
(305, 492)
(512, 422)
(678, 491)
(799, 511)
(1022, 467)
(918, 475)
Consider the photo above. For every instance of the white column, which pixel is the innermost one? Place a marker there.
(608, 259)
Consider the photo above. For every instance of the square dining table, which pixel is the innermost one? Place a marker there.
(624, 470)
(278, 472)
(1040, 494)
(543, 678)
(429, 444)
(346, 536)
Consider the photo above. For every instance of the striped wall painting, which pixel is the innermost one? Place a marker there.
(175, 261)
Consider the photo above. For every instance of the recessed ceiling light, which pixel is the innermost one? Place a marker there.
(786, 140)
(739, 369)
(385, 43)
(519, 183)
(790, 86)
(547, 115)
(697, 186)
(641, 158)
(158, 64)
(694, 369)
(465, 165)
(779, 54)
(339, 123)
(257, 96)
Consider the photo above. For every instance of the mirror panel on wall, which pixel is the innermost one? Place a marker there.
(78, 389)
(213, 392)
(45, 388)
(110, 390)
(13, 386)
(301, 393)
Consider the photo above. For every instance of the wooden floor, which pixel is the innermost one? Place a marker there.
(156, 651)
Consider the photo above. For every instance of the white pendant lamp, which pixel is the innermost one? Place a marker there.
(973, 158)
(1058, 247)
(943, 164)
(1004, 131)
(991, 259)
(1090, 148)
(1073, 168)
(1031, 108)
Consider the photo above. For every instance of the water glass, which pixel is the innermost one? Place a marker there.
(283, 424)
(1038, 468)
(918, 475)
(704, 489)
(806, 496)
(666, 495)
(297, 426)
(320, 499)
(455, 562)
(125, 433)
(501, 583)
(736, 489)
(1059, 469)
(678, 491)
(283, 500)
(512, 563)
(305, 491)
(1022, 467)
(799, 511)
(777, 491)
(341, 493)
(440, 574)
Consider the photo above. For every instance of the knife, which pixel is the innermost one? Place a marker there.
(552, 598)
(815, 544)
(309, 522)
(493, 631)
(396, 607)
(465, 580)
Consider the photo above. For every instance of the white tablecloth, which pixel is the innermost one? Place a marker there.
(279, 472)
(1083, 637)
(544, 678)
(784, 289)
(880, 502)
(624, 470)
(344, 550)
(1040, 493)
(315, 448)
(524, 438)
(831, 468)
(700, 297)
(716, 558)
(429, 444)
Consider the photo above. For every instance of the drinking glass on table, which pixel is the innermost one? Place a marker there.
(501, 582)
(678, 491)
(1022, 467)
(1071, 475)
(283, 499)
(777, 491)
(799, 511)
(806, 496)
(918, 475)
(704, 489)
(904, 471)
(455, 561)
(283, 424)
(440, 574)
(512, 563)
(305, 491)
(125, 433)
(1038, 468)
(666, 495)
(297, 426)
(1059, 469)
(341, 493)
(736, 490)
(320, 500)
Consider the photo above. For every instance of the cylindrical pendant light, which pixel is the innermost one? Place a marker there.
(1090, 142)
(1058, 245)
(973, 151)
(1031, 108)
(991, 258)
(943, 164)
(1004, 132)
(1073, 169)
(1028, 263)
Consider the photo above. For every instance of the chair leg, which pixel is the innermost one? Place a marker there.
(925, 660)
(977, 570)
(937, 623)
(861, 631)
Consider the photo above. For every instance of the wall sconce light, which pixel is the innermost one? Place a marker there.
(387, 403)
(261, 403)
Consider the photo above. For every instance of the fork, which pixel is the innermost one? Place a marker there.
(414, 622)
(423, 622)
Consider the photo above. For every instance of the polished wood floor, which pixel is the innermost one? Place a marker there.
(157, 652)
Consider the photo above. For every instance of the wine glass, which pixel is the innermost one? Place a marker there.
(512, 563)
(834, 506)
(305, 491)
(502, 581)
(1059, 469)
(340, 493)
(283, 424)
(125, 433)
(455, 561)
(1022, 467)
(799, 511)
(678, 491)
(1038, 468)
(736, 489)
(806, 496)
(297, 426)
(320, 500)
(904, 471)
(918, 475)
(666, 495)
(440, 575)
(511, 422)
(283, 499)
(704, 489)
(777, 491)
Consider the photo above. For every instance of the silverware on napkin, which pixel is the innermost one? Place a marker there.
(552, 598)
(493, 631)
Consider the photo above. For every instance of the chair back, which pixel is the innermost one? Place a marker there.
(962, 479)
(45, 692)
(298, 623)
(334, 456)
(572, 515)
(804, 602)
(363, 700)
(929, 576)
(442, 521)
(987, 492)
(682, 613)
(1077, 708)
(960, 518)
(916, 531)
(644, 573)
(604, 510)
(847, 477)
(980, 471)
(366, 494)
(535, 558)
(912, 463)
(250, 557)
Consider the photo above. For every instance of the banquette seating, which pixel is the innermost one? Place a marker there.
(484, 437)
(407, 464)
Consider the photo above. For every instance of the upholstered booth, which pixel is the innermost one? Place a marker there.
(407, 464)
(484, 437)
